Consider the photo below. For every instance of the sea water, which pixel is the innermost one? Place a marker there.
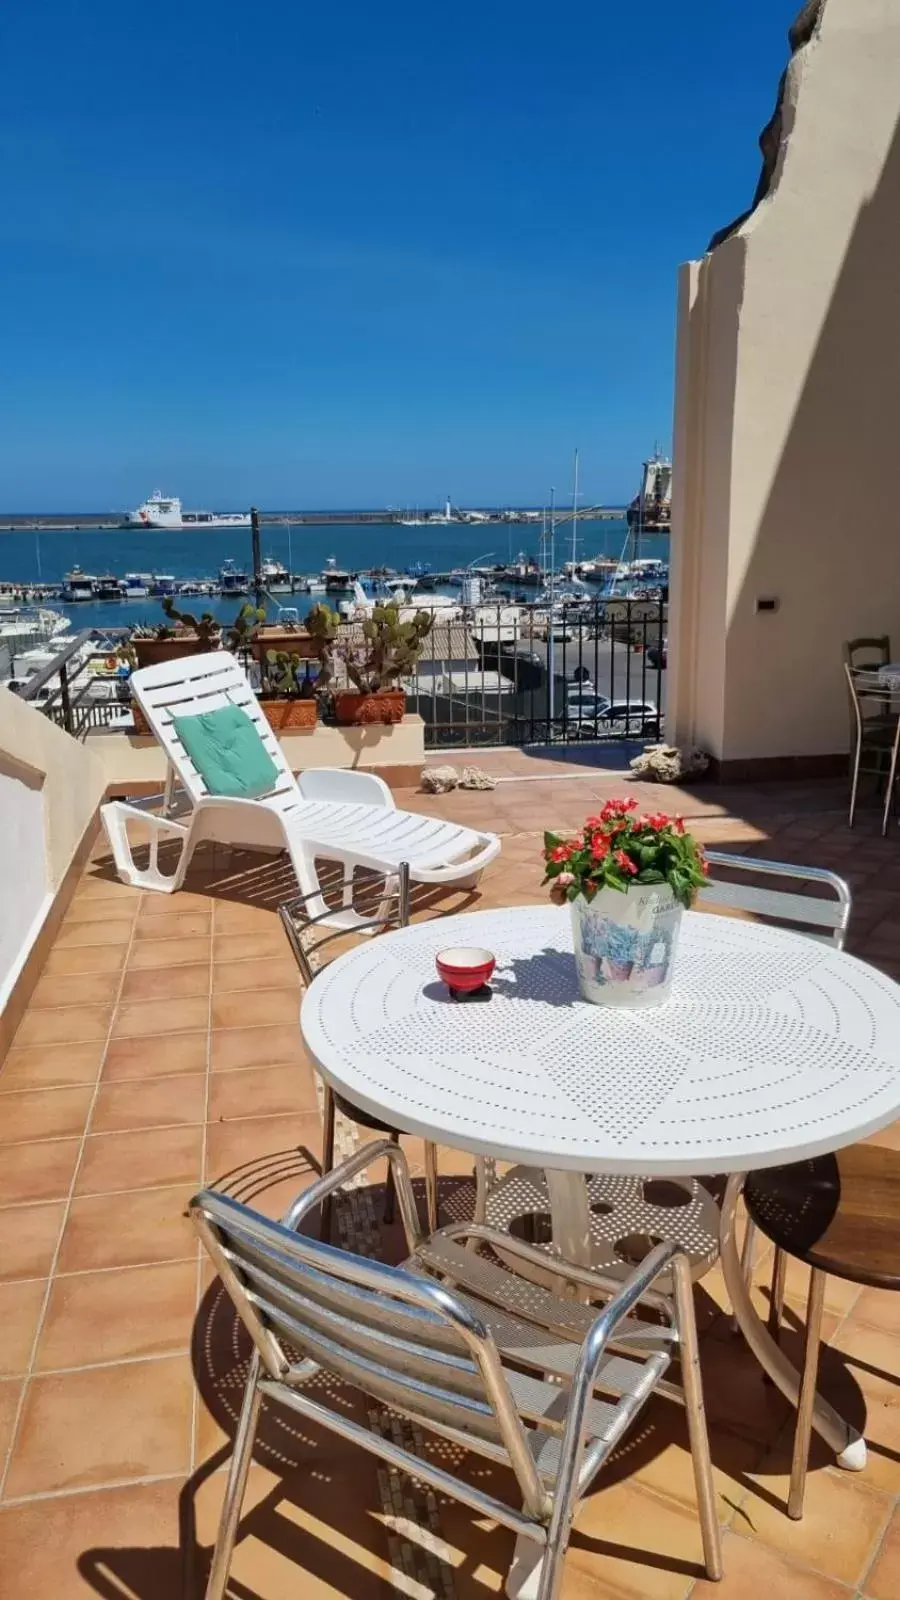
(27, 556)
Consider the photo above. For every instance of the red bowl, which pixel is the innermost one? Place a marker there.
(466, 967)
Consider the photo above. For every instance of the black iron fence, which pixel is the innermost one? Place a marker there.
(583, 672)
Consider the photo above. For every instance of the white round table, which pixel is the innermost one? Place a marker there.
(773, 1047)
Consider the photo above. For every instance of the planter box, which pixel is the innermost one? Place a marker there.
(296, 643)
(294, 716)
(150, 652)
(356, 710)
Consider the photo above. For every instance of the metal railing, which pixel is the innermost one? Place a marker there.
(65, 689)
(590, 671)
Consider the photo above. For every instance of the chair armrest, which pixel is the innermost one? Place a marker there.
(585, 1277)
(363, 1158)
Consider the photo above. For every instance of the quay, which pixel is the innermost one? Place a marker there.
(102, 522)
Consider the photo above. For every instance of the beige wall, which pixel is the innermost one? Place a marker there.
(788, 378)
(127, 760)
(50, 788)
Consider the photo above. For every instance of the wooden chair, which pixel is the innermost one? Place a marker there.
(839, 1214)
(381, 903)
(470, 1351)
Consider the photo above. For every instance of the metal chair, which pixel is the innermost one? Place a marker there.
(467, 1350)
(824, 918)
(384, 904)
(874, 732)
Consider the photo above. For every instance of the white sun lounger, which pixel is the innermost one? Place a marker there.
(326, 814)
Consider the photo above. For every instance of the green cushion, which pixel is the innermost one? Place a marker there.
(228, 752)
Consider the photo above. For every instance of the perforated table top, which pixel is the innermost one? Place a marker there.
(772, 1047)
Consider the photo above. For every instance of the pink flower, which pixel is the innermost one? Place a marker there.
(561, 852)
(625, 862)
(600, 846)
(565, 879)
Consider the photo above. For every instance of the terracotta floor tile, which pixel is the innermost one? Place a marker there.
(101, 883)
(173, 925)
(842, 1524)
(256, 1047)
(72, 935)
(246, 946)
(883, 1582)
(20, 1307)
(40, 1171)
(141, 1018)
(178, 904)
(44, 1113)
(155, 1103)
(149, 953)
(10, 1390)
(260, 1092)
(103, 1425)
(872, 1371)
(95, 1317)
(122, 1542)
(67, 1025)
(50, 1066)
(266, 1007)
(87, 908)
(28, 1237)
(76, 989)
(252, 1155)
(658, 1456)
(753, 1570)
(127, 1230)
(238, 916)
(877, 1308)
(278, 972)
(629, 1543)
(143, 1159)
(161, 984)
(164, 1055)
(89, 958)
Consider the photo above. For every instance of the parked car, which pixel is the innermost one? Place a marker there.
(639, 718)
(586, 702)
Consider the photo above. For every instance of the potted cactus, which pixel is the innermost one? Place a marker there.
(389, 652)
(288, 696)
(250, 632)
(179, 635)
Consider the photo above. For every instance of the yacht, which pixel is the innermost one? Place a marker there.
(137, 585)
(162, 584)
(165, 511)
(78, 585)
(275, 576)
(107, 587)
(232, 580)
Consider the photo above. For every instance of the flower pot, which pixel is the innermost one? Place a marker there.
(289, 715)
(150, 652)
(355, 710)
(273, 637)
(625, 944)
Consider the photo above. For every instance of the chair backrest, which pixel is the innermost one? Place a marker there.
(867, 655)
(399, 1337)
(192, 685)
(823, 917)
(380, 902)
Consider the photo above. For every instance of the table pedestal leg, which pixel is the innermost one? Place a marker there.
(571, 1215)
(848, 1445)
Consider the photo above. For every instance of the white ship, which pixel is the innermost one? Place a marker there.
(275, 576)
(165, 511)
(651, 509)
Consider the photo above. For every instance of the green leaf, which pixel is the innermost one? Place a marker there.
(551, 840)
(650, 875)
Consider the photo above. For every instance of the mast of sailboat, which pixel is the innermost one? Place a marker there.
(575, 515)
(551, 664)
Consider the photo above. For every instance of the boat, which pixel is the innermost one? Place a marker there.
(77, 586)
(162, 584)
(651, 509)
(275, 576)
(232, 580)
(137, 585)
(166, 511)
(107, 587)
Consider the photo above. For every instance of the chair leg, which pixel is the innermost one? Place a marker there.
(237, 1484)
(390, 1187)
(327, 1162)
(854, 781)
(696, 1418)
(776, 1296)
(807, 1399)
(892, 777)
(431, 1185)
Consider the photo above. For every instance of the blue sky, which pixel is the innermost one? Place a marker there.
(358, 254)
